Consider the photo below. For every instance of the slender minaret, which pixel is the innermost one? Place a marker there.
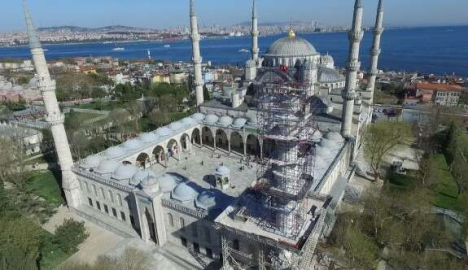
(54, 117)
(196, 56)
(255, 49)
(375, 51)
(349, 93)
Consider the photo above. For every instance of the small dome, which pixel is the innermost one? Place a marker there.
(239, 122)
(329, 144)
(124, 172)
(225, 121)
(310, 65)
(107, 166)
(206, 200)
(223, 170)
(148, 138)
(317, 136)
(323, 152)
(211, 119)
(253, 119)
(184, 193)
(326, 59)
(168, 182)
(132, 144)
(163, 132)
(334, 136)
(140, 176)
(188, 121)
(291, 46)
(114, 152)
(150, 185)
(198, 117)
(91, 162)
(176, 126)
(328, 75)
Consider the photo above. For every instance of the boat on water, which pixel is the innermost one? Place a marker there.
(244, 51)
(118, 49)
(167, 46)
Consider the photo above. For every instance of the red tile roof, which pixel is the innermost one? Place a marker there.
(438, 87)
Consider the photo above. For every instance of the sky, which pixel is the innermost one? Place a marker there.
(173, 13)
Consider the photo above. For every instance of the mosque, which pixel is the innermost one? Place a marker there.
(254, 179)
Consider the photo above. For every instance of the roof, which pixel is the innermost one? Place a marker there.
(438, 87)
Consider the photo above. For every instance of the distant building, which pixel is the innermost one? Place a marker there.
(440, 94)
(31, 139)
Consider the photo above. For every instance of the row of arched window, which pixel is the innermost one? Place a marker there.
(101, 193)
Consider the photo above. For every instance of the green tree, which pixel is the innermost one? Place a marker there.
(383, 137)
(70, 235)
(20, 240)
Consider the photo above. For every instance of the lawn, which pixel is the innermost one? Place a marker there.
(447, 189)
(51, 254)
(45, 185)
(105, 106)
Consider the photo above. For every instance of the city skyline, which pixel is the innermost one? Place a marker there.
(159, 14)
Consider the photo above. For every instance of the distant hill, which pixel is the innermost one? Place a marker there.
(279, 24)
(111, 28)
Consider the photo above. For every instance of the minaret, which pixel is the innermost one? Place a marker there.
(196, 56)
(375, 51)
(349, 93)
(54, 117)
(255, 49)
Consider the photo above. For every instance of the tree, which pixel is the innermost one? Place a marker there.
(20, 240)
(70, 235)
(383, 137)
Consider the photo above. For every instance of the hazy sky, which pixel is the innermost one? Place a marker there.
(170, 13)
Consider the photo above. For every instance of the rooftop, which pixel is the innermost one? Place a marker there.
(438, 87)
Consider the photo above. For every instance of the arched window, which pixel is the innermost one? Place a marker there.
(182, 223)
(110, 196)
(171, 219)
(94, 190)
(235, 244)
(119, 198)
(87, 186)
(103, 195)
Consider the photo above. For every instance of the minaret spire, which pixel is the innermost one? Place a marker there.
(255, 32)
(196, 56)
(349, 94)
(54, 118)
(375, 51)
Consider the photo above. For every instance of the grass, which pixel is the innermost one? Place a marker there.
(105, 106)
(447, 189)
(45, 185)
(51, 254)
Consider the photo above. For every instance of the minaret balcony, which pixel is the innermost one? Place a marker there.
(55, 119)
(255, 33)
(355, 35)
(354, 65)
(348, 95)
(375, 52)
(378, 31)
(195, 37)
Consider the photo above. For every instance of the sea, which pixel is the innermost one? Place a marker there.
(430, 50)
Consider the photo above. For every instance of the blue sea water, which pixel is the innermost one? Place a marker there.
(438, 50)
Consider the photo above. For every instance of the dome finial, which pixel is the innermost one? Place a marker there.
(291, 33)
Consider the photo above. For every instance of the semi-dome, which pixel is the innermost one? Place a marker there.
(140, 176)
(107, 166)
(163, 132)
(225, 121)
(330, 144)
(91, 161)
(114, 152)
(168, 182)
(148, 138)
(188, 121)
(326, 59)
(291, 46)
(253, 119)
(184, 193)
(132, 144)
(206, 200)
(124, 172)
(198, 117)
(239, 122)
(176, 126)
(223, 170)
(211, 119)
(329, 75)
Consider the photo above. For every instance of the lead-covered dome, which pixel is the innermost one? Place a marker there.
(329, 75)
(291, 46)
(124, 172)
(132, 144)
(168, 182)
(148, 138)
(107, 166)
(184, 193)
(114, 152)
(225, 121)
(91, 162)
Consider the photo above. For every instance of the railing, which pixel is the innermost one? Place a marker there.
(185, 210)
(102, 180)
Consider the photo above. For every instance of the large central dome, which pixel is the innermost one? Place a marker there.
(291, 46)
